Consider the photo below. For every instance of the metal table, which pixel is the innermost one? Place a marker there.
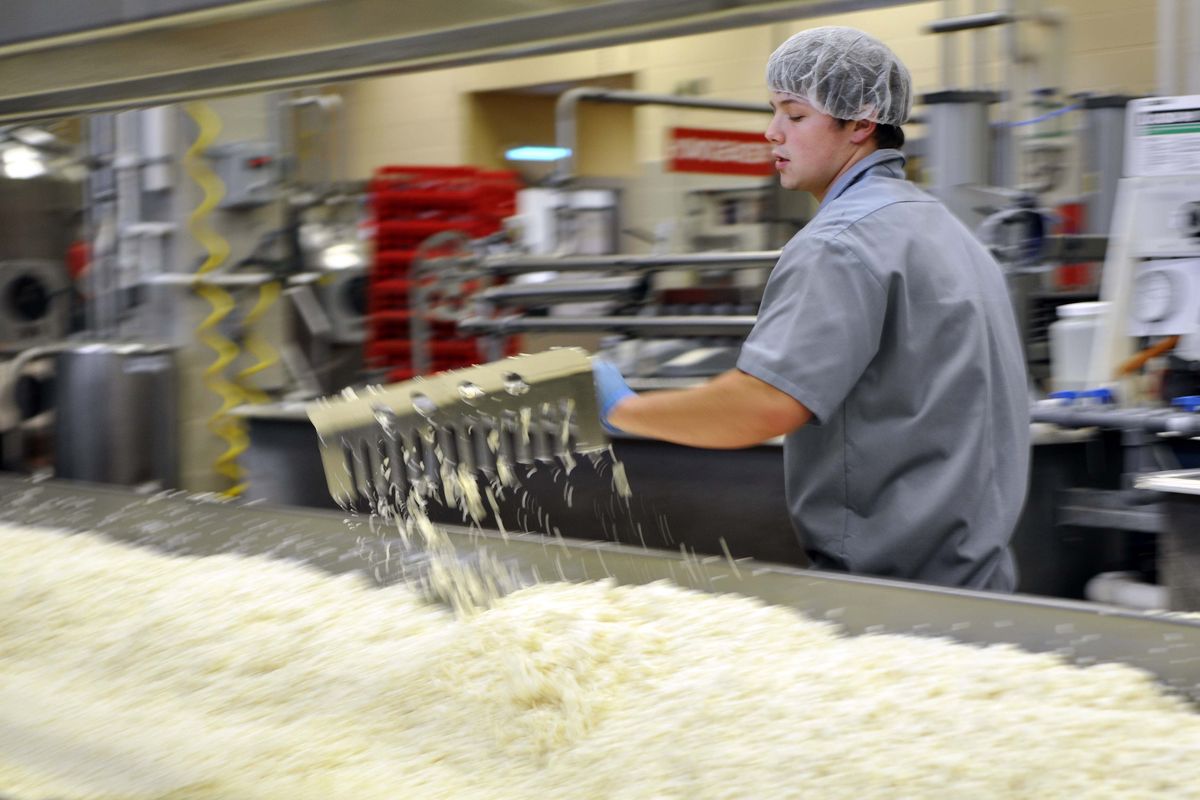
(1179, 540)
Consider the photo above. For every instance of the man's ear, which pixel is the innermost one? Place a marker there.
(862, 132)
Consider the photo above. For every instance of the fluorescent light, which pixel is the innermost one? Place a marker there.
(536, 153)
(32, 136)
(341, 256)
(23, 162)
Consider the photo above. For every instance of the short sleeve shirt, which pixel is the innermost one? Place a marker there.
(888, 320)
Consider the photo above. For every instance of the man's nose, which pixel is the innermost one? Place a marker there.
(773, 134)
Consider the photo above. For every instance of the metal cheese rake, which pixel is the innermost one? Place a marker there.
(382, 443)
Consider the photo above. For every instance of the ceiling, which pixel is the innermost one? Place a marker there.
(127, 53)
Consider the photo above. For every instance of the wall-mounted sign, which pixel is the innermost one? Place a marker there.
(725, 152)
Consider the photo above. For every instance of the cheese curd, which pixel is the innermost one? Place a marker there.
(131, 674)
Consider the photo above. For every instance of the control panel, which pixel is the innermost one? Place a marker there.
(250, 172)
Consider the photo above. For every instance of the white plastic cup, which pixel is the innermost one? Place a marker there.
(1071, 338)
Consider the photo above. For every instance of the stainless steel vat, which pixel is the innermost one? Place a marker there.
(1081, 633)
(117, 414)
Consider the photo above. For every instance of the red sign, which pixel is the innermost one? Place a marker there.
(725, 152)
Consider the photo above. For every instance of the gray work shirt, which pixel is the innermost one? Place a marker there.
(889, 321)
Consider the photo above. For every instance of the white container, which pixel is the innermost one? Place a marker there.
(1071, 337)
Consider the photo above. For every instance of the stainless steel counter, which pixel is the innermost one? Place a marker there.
(1167, 646)
(1179, 543)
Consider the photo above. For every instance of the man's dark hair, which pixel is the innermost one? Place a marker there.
(886, 136)
(889, 136)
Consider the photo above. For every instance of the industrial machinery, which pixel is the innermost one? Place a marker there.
(326, 330)
(35, 308)
(198, 225)
(1152, 273)
(34, 303)
(733, 219)
(1151, 291)
(142, 207)
(717, 329)
(39, 221)
(335, 265)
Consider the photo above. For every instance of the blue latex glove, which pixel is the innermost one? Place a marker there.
(611, 389)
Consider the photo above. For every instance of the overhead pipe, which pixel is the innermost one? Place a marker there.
(566, 133)
(1007, 17)
(971, 22)
(1012, 103)
(678, 326)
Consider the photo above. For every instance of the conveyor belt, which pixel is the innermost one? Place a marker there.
(1169, 647)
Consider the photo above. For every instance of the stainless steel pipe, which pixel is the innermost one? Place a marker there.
(525, 294)
(566, 133)
(657, 326)
(515, 265)
(1148, 420)
(970, 22)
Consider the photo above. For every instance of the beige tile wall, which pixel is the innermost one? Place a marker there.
(422, 118)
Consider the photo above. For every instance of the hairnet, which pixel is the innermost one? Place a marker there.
(843, 72)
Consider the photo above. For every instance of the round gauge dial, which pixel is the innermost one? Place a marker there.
(1153, 296)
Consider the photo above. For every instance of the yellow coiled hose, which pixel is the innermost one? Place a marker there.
(221, 423)
(257, 345)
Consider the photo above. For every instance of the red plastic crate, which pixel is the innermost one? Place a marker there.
(439, 349)
(409, 205)
(408, 234)
(425, 203)
(403, 178)
(390, 325)
(426, 170)
(392, 264)
(499, 177)
(389, 295)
